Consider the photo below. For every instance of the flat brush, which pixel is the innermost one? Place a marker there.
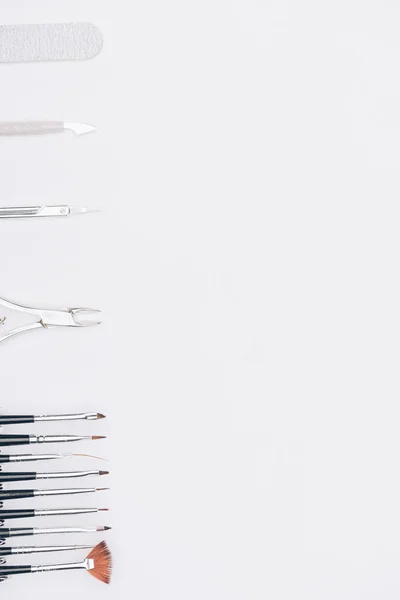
(98, 563)
(32, 476)
(23, 419)
(22, 513)
(11, 551)
(22, 440)
(20, 494)
(27, 531)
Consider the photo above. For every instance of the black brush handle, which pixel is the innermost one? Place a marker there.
(16, 419)
(17, 514)
(7, 551)
(15, 570)
(14, 440)
(5, 458)
(16, 532)
(17, 476)
(15, 494)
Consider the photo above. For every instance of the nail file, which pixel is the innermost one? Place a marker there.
(49, 41)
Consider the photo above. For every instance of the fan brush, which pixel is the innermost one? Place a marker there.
(98, 563)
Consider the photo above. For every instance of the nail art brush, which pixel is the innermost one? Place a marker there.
(22, 513)
(98, 563)
(36, 127)
(16, 458)
(27, 531)
(20, 494)
(22, 419)
(32, 476)
(22, 440)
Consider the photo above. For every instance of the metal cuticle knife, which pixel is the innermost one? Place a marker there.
(42, 127)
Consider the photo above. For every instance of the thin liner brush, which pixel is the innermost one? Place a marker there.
(24, 419)
(22, 440)
(20, 494)
(98, 563)
(23, 513)
(28, 531)
(16, 458)
(33, 476)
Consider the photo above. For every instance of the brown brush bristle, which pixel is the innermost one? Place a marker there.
(104, 472)
(100, 416)
(101, 556)
(89, 456)
(98, 437)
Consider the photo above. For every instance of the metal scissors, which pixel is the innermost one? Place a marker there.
(67, 317)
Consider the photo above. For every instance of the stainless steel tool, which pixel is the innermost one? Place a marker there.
(47, 319)
(26, 212)
(41, 127)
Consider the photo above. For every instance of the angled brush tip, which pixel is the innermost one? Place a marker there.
(100, 416)
(98, 437)
(102, 563)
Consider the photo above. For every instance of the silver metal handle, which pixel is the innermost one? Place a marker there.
(64, 492)
(65, 567)
(72, 417)
(31, 127)
(51, 512)
(23, 212)
(66, 474)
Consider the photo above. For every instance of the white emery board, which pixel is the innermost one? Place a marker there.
(49, 41)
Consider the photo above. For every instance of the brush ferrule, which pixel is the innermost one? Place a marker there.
(54, 512)
(61, 567)
(55, 439)
(13, 458)
(66, 474)
(43, 549)
(57, 530)
(72, 417)
(63, 492)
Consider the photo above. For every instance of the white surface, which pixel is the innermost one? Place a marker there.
(247, 260)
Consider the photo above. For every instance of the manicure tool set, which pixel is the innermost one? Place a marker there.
(36, 43)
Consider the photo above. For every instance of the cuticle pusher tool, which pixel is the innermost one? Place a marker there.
(26, 212)
(47, 318)
(9, 128)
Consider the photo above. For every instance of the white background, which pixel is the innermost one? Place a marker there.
(246, 259)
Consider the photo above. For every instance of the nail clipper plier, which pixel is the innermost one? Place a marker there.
(67, 317)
